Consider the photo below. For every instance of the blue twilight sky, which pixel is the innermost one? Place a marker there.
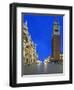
(40, 29)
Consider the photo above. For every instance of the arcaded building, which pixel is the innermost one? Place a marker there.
(29, 48)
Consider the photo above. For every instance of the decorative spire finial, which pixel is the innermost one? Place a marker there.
(25, 25)
(55, 20)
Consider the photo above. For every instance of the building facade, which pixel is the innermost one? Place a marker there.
(29, 48)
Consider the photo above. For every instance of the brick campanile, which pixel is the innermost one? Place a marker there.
(56, 40)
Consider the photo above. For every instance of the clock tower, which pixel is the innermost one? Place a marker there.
(56, 40)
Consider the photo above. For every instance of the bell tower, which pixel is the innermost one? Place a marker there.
(56, 40)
